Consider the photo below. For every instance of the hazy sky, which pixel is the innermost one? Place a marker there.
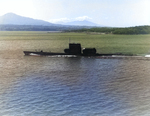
(116, 13)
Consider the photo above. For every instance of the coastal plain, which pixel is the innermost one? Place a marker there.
(58, 41)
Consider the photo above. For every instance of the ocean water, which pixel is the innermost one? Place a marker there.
(44, 86)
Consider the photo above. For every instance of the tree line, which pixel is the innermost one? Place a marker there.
(108, 30)
(38, 28)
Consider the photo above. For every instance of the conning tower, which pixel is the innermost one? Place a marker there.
(74, 49)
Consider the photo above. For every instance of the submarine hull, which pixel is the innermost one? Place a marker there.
(50, 54)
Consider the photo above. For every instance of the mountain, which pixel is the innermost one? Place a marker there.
(14, 19)
(81, 23)
(11, 18)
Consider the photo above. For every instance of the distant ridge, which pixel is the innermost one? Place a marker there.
(81, 23)
(14, 19)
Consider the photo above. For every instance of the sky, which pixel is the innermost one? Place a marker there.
(114, 13)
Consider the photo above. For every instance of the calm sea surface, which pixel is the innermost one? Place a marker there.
(44, 86)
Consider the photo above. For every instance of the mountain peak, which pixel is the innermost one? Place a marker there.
(12, 18)
(10, 13)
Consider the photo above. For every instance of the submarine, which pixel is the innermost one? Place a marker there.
(74, 50)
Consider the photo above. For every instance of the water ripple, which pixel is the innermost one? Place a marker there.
(72, 87)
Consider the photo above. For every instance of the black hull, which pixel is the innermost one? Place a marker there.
(42, 53)
(32, 53)
(50, 54)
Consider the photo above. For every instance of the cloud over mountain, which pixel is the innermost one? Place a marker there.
(83, 18)
(65, 20)
(78, 21)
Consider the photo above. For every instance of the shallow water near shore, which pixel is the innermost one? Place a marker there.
(46, 86)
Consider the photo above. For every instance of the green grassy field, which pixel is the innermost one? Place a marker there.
(104, 43)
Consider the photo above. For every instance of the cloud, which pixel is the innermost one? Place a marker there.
(64, 20)
(83, 18)
(60, 20)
